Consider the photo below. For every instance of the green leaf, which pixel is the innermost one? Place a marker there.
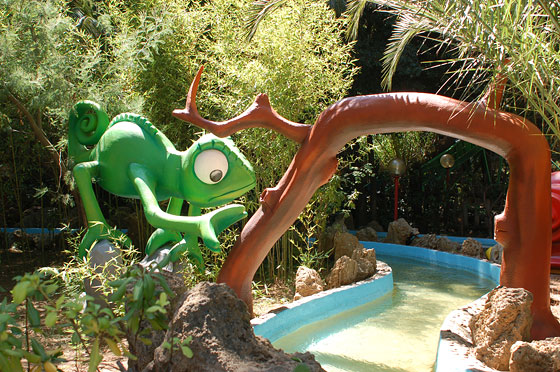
(187, 351)
(117, 283)
(75, 338)
(33, 358)
(166, 345)
(154, 308)
(164, 284)
(33, 314)
(119, 293)
(20, 292)
(50, 319)
(5, 318)
(138, 290)
(13, 353)
(59, 302)
(51, 288)
(39, 349)
(95, 356)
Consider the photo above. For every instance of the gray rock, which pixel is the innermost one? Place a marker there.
(425, 241)
(505, 319)
(367, 234)
(326, 240)
(345, 244)
(473, 248)
(222, 337)
(536, 356)
(308, 282)
(344, 272)
(446, 245)
(399, 232)
(367, 263)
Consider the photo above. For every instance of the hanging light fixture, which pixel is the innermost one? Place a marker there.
(397, 167)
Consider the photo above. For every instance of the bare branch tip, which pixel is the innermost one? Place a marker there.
(262, 99)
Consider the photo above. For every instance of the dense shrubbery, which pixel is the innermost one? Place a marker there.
(141, 57)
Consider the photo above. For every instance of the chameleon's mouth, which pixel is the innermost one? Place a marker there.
(234, 193)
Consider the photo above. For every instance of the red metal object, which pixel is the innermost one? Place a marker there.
(555, 203)
(396, 210)
(524, 228)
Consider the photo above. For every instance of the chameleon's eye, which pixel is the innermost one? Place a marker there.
(210, 166)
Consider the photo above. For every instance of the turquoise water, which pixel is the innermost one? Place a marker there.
(397, 332)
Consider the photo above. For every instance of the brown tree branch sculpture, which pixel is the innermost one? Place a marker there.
(524, 228)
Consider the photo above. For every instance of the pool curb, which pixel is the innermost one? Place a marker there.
(323, 305)
(451, 355)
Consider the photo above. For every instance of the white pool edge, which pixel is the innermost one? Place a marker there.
(325, 304)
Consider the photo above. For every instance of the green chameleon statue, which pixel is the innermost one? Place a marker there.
(129, 157)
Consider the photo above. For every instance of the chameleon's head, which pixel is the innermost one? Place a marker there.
(215, 172)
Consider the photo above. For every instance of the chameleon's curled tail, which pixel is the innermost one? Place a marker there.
(86, 124)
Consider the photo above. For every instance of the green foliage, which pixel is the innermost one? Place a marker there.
(138, 295)
(141, 57)
(518, 39)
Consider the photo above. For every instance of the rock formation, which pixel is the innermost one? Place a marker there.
(326, 240)
(367, 234)
(399, 232)
(446, 245)
(505, 319)
(308, 282)
(425, 241)
(473, 248)
(222, 337)
(367, 263)
(344, 244)
(344, 272)
(536, 356)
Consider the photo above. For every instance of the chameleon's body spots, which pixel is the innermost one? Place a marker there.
(132, 158)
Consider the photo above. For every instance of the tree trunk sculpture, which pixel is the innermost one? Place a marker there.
(524, 228)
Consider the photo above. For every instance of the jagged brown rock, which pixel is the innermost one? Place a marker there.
(367, 263)
(536, 356)
(308, 282)
(344, 272)
(399, 232)
(222, 337)
(505, 319)
(345, 244)
(326, 240)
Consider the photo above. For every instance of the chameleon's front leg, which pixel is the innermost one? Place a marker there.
(207, 226)
(161, 237)
(188, 244)
(97, 226)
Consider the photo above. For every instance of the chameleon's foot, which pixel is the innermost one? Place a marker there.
(98, 231)
(217, 221)
(161, 237)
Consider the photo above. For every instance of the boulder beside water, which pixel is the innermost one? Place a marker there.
(222, 337)
(504, 320)
(308, 282)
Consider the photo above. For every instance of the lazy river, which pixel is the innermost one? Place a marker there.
(396, 332)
